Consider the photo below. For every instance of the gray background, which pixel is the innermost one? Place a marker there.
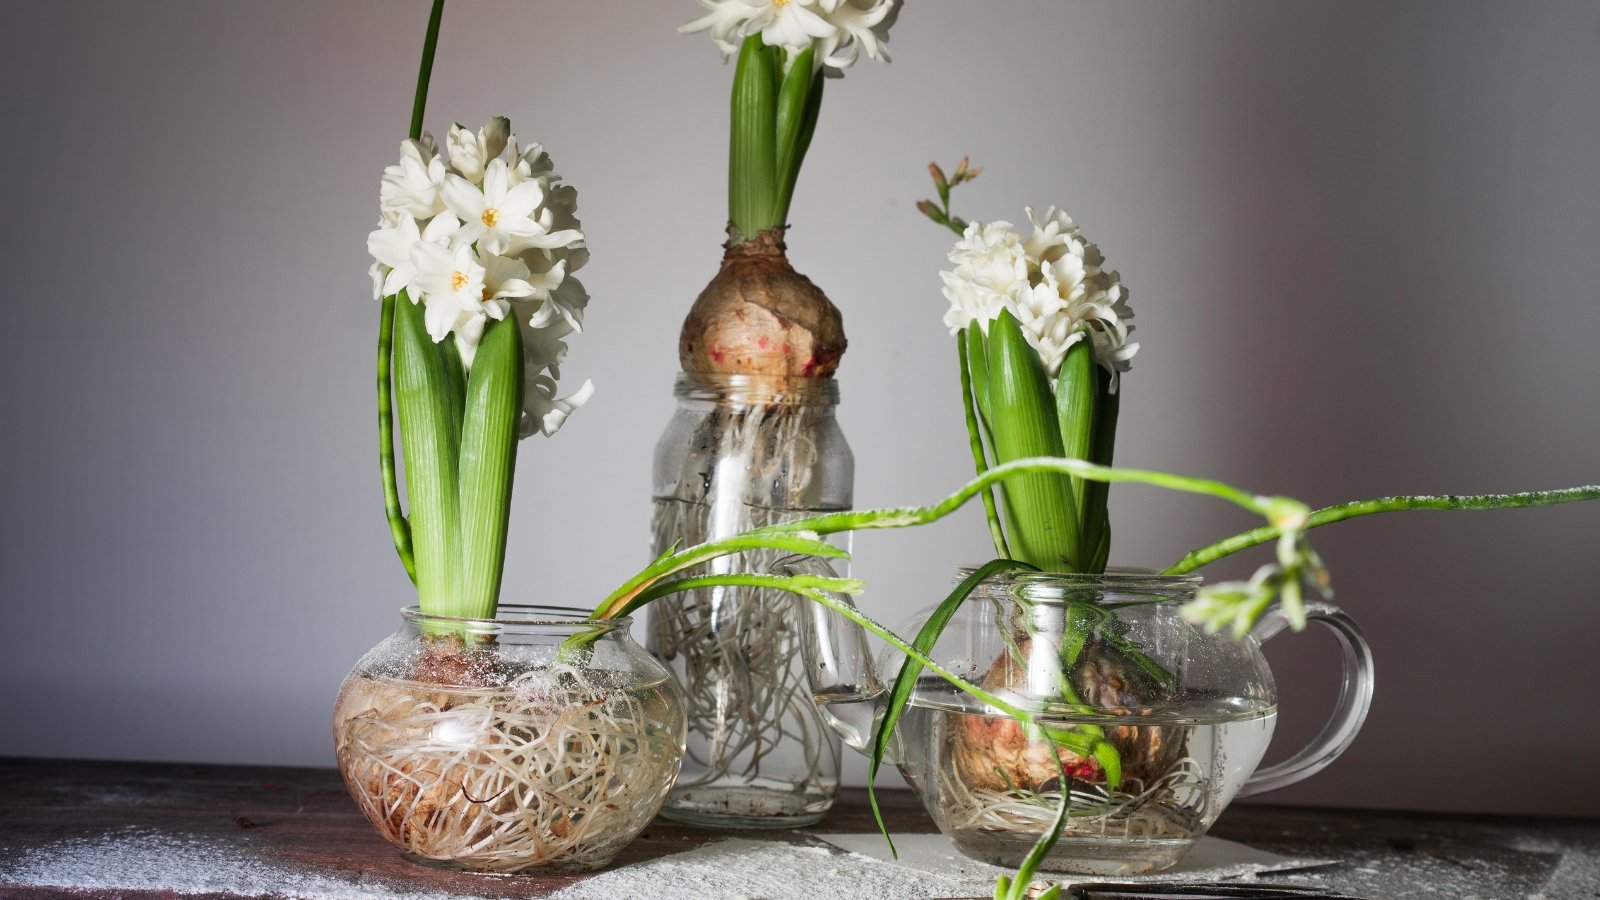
(1361, 239)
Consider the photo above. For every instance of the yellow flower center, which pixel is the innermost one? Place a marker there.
(491, 216)
(486, 296)
(780, 2)
(458, 280)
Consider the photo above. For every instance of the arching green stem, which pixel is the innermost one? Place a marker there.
(425, 71)
(399, 528)
(1247, 539)
(980, 460)
(903, 517)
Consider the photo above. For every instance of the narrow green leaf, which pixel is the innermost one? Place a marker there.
(1041, 517)
(1102, 554)
(430, 406)
(1041, 848)
(796, 122)
(978, 367)
(488, 459)
(905, 683)
(752, 154)
(1097, 513)
(1076, 386)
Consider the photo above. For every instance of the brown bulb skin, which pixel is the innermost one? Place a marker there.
(759, 316)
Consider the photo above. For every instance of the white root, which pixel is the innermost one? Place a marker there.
(750, 711)
(1170, 807)
(555, 771)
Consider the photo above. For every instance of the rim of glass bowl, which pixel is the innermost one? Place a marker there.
(1124, 581)
(522, 618)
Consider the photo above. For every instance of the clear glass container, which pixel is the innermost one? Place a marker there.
(742, 452)
(537, 741)
(1108, 659)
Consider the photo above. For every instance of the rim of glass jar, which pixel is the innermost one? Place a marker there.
(518, 618)
(772, 390)
(1062, 587)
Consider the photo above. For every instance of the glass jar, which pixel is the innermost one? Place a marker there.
(743, 452)
(537, 741)
(1161, 724)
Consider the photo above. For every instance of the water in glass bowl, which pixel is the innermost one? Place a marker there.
(990, 788)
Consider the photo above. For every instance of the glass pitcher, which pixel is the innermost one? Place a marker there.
(1108, 659)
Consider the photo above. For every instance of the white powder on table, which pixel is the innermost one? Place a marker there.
(741, 869)
(142, 859)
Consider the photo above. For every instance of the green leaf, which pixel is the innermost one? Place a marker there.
(1041, 517)
(752, 153)
(488, 459)
(1041, 848)
(799, 100)
(905, 683)
(1076, 386)
(1102, 554)
(430, 403)
(1097, 514)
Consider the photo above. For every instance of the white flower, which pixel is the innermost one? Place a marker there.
(725, 21)
(860, 25)
(545, 413)
(470, 153)
(377, 272)
(511, 253)
(391, 246)
(1051, 232)
(1052, 282)
(991, 267)
(412, 186)
(451, 284)
(839, 30)
(791, 24)
(497, 213)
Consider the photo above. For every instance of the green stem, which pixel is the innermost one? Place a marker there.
(1247, 539)
(907, 516)
(425, 71)
(791, 583)
(399, 528)
(669, 564)
(979, 459)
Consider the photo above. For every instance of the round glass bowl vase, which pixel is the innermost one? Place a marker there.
(534, 742)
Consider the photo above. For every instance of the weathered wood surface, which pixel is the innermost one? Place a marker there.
(302, 819)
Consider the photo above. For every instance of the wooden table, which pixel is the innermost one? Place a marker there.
(302, 819)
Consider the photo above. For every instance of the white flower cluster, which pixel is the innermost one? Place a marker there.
(489, 233)
(840, 30)
(1052, 281)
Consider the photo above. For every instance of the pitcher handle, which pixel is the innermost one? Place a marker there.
(1355, 698)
